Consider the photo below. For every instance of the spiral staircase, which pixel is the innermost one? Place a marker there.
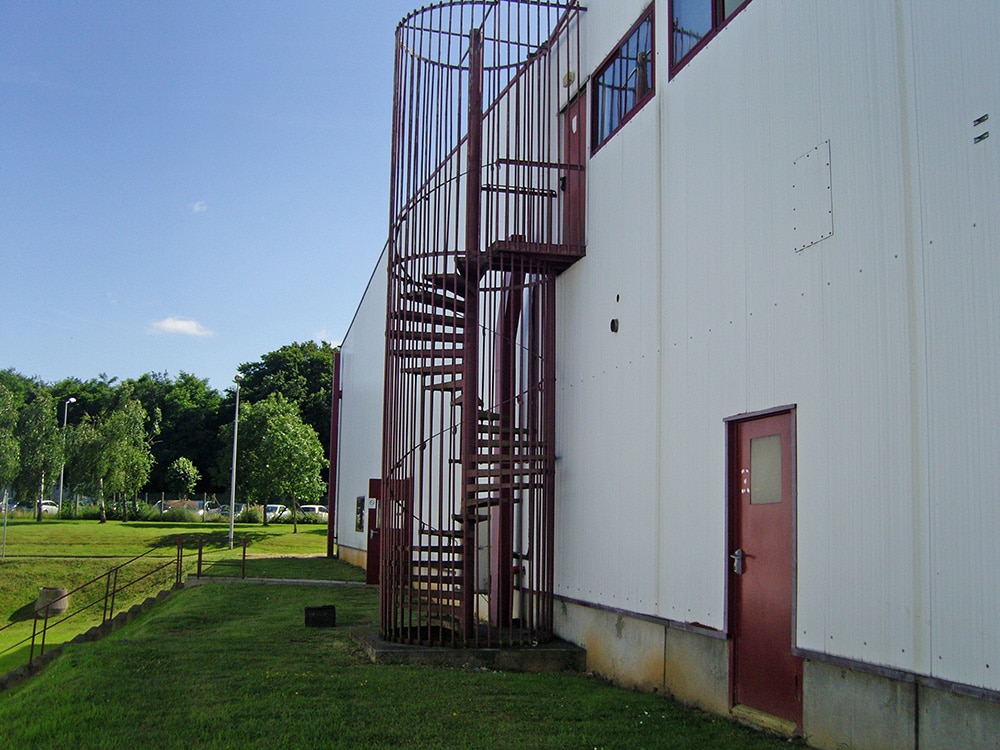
(487, 197)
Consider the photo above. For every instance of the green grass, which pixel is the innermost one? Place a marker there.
(71, 553)
(88, 538)
(233, 666)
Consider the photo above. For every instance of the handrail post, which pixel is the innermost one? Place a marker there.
(114, 592)
(244, 566)
(107, 595)
(45, 628)
(34, 630)
(201, 552)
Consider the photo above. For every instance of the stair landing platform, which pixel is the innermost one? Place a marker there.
(551, 656)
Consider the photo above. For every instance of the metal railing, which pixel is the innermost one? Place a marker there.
(241, 563)
(116, 580)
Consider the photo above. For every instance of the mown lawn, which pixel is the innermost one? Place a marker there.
(233, 666)
(72, 553)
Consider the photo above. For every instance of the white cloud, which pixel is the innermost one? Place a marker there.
(199, 207)
(182, 326)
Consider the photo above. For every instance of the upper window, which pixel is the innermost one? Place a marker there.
(694, 22)
(624, 82)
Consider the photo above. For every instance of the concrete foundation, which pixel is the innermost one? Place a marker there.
(843, 708)
(551, 656)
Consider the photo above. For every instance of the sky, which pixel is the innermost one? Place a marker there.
(186, 186)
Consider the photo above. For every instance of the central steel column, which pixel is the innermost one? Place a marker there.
(470, 353)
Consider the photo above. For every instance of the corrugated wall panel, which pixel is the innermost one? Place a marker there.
(959, 194)
(362, 370)
(606, 471)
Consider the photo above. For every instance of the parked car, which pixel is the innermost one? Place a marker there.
(49, 508)
(317, 510)
(238, 507)
(276, 512)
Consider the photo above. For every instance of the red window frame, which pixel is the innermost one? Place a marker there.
(601, 130)
(719, 21)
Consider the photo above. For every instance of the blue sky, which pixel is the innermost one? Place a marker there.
(185, 186)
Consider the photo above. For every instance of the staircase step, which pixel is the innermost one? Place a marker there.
(470, 516)
(424, 318)
(427, 354)
(448, 282)
(432, 369)
(445, 385)
(421, 336)
(449, 547)
(491, 502)
(445, 533)
(442, 578)
(500, 471)
(498, 486)
(437, 300)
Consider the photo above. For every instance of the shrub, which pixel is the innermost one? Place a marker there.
(250, 515)
(180, 515)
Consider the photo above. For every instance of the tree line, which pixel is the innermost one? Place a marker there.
(118, 440)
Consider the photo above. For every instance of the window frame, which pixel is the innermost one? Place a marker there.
(596, 142)
(719, 22)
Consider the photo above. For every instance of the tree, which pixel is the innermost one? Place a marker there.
(280, 457)
(182, 476)
(10, 449)
(41, 449)
(303, 374)
(189, 422)
(84, 458)
(126, 456)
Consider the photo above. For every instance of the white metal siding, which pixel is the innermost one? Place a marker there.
(887, 347)
(362, 372)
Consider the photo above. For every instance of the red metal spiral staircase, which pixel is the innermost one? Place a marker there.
(487, 209)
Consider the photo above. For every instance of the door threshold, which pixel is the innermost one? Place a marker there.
(759, 720)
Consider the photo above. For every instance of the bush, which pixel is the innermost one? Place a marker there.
(250, 515)
(180, 515)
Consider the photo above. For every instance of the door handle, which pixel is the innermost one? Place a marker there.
(737, 557)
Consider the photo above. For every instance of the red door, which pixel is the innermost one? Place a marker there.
(573, 181)
(373, 568)
(765, 676)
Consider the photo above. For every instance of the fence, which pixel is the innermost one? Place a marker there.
(115, 582)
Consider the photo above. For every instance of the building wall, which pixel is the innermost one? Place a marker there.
(799, 217)
(362, 357)
(748, 274)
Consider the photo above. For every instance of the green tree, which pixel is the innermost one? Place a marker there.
(126, 455)
(302, 373)
(84, 457)
(41, 449)
(10, 449)
(189, 422)
(280, 457)
(182, 476)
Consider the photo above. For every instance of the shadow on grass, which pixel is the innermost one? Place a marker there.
(27, 612)
(216, 539)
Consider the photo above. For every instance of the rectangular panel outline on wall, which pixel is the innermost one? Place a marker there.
(812, 197)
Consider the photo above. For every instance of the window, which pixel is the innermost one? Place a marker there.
(694, 22)
(624, 82)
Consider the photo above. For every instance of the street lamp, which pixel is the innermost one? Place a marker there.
(62, 467)
(232, 476)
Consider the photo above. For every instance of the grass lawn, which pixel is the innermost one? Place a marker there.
(233, 666)
(71, 553)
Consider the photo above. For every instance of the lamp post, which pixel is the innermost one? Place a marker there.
(232, 476)
(62, 466)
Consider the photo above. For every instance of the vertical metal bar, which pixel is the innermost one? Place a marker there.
(243, 569)
(201, 553)
(470, 362)
(331, 500)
